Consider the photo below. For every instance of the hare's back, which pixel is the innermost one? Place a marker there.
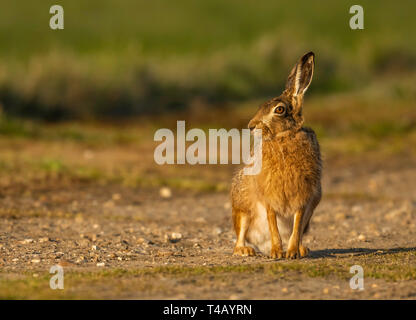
(310, 136)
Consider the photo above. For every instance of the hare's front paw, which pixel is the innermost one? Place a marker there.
(292, 252)
(304, 251)
(276, 253)
(297, 252)
(244, 251)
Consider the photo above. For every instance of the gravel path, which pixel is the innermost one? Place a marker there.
(366, 213)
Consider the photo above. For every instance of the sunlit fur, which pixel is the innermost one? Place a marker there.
(288, 188)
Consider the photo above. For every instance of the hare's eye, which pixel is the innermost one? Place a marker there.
(279, 110)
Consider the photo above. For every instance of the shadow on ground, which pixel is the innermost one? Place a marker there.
(333, 253)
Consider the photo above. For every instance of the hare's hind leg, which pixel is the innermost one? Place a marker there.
(241, 223)
(304, 251)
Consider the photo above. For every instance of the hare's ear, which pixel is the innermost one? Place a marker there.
(301, 76)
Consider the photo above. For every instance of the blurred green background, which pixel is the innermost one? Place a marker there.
(127, 58)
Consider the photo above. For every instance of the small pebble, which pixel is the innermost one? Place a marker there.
(217, 231)
(80, 259)
(174, 237)
(116, 197)
(340, 216)
(165, 192)
(357, 208)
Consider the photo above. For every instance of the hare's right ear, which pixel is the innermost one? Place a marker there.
(301, 76)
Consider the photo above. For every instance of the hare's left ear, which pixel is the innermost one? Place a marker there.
(301, 76)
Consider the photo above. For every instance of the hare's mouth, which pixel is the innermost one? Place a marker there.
(266, 131)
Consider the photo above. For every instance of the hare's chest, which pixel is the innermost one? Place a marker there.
(284, 184)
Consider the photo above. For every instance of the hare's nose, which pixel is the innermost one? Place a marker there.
(252, 125)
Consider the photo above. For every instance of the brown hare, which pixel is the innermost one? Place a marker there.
(277, 204)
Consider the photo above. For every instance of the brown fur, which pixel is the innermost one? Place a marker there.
(278, 203)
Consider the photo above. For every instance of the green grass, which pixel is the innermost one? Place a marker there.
(135, 57)
(390, 266)
(188, 27)
(348, 125)
(58, 170)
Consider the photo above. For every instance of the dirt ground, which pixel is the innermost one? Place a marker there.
(130, 242)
